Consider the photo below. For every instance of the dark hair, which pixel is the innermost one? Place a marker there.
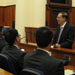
(10, 35)
(65, 15)
(43, 36)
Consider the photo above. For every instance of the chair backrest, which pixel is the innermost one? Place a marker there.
(31, 71)
(7, 63)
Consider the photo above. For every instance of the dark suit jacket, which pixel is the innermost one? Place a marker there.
(3, 43)
(67, 36)
(15, 53)
(42, 61)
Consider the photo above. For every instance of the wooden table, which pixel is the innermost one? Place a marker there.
(28, 47)
(56, 52)
(3, 72)
(61, 52)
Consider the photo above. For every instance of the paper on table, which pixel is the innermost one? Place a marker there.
(69, 72)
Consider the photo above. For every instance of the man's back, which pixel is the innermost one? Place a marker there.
(3, 43)
(15, 53)
(41, 60)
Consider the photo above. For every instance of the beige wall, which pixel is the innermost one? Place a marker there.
(7, 2)
(29, 13)
(21, 16)
(73, 3)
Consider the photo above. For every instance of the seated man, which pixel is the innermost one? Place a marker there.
(41, 58)
(12, 37)
(64, 36)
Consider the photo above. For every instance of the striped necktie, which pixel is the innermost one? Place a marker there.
(61, 29)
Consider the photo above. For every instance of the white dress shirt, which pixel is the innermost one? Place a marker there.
(49, 53)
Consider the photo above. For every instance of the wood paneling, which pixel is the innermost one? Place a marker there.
(30, 34)
(47, 16)
(72, 20)
(1, 16)
(59, 3)
(72, 16)
(73, 46)
(14, 11)
(7, 15)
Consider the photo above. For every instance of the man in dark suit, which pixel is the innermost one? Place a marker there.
(3, 43)
(41, 58)
(12, 37)
(64, 36)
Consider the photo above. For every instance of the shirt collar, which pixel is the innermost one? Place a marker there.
(49, 53)
(63, 25)
(16, 46)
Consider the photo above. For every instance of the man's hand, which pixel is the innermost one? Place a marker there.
(57, 45)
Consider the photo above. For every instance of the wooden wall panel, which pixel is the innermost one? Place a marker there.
(30, 34)
(7, 15)
(47, 16)
(14, 11)
(72, 19)
(72, 16)
(73, 47)
(1, 16)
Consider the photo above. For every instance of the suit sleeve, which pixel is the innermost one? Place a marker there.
(60, 69)
(70, 38)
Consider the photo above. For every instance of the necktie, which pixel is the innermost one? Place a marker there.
(61, 29)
